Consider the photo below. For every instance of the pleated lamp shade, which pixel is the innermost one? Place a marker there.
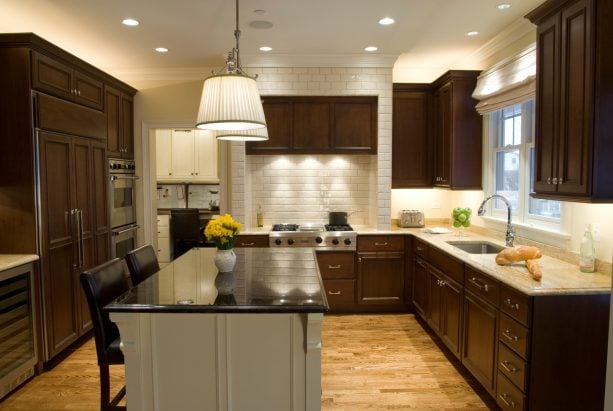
(230, 102)
(260, 134)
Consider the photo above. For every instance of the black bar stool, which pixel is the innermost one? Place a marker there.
(102, 284)
(184, 230)
(142, 263)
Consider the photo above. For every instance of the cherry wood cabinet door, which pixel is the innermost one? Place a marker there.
(51, 76)
(127, 125)
(311, 121)
(411, 142)
(435, 300)
(88, 90)
(59, 241)
(102, 220)
(279, 125)
(381, 278)
(443, 100)
(113, 115)
(355, 125)
(420, 287)
(451, 315)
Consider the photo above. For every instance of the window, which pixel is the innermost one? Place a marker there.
(511, 165)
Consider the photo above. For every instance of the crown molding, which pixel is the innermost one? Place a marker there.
(162, 74)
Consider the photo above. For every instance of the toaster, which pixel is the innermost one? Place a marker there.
(411, 218)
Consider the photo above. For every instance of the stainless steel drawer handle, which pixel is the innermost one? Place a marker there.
(548, 180)
(507, 400)
(247, 244)
(509, 336)
(441, 283)
(560, 180)
(512, 305)
(479, 285)
(381, 244)
(334, 267)
(334, 292)
(419, 249)
(509, 366)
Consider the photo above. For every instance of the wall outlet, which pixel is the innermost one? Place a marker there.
(436, 206)
(596, 231)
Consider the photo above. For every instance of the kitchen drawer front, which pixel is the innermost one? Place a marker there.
(163, 220)
(340, 292)
(515, 304)
(336, 265)
(381, 243)
(163, 249)
(508, 397)
(251, 241)
(420, 248)
(163, 231)
(514, 335)
(482, 285)
(448, 265)
(512, 366)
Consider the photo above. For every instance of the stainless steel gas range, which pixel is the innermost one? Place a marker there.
(319, 236)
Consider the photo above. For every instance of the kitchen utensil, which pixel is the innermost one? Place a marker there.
(337, 217)
(411, 218)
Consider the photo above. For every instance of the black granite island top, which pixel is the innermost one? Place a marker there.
(267, 280)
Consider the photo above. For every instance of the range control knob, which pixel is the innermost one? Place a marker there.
(347, 241)
(318, 240)
(278, 241)
(335, 241)
(290, 241)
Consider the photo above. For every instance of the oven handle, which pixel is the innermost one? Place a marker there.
(125, 230)
(123, 177)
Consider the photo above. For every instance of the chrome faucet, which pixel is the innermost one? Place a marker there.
(510, 232)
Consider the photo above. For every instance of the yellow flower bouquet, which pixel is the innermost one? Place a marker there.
(222, 231)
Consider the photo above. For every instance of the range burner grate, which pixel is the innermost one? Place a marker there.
(285, 227)
(341, 227)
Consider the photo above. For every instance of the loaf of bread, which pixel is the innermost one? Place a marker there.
(519, 253)
(534, 269)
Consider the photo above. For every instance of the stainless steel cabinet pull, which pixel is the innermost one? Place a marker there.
(79, 92)
(560, 180)
(82, 235)
(247, 244)
(548, 180)
(477, 284)
(381, 244)
(508, 366)
(509, 336)
(334, 292)
(334, 267)
(555, 180)
(505, 398)
(419, 249)
(509, 304)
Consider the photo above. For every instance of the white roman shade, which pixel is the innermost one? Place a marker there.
(230, 102)
(509, 82)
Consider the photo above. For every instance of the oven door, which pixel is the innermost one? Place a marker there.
(122, 199)
(123, 240)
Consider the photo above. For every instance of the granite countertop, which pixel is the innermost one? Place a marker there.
(268, 280)
(8, 261)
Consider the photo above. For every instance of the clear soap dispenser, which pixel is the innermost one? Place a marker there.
(260, 216)
(586, 251)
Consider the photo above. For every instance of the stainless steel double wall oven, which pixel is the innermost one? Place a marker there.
(122, 195)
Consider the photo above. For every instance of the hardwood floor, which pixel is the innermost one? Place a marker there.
(369, 362)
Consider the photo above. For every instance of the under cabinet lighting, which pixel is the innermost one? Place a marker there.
(130, 22)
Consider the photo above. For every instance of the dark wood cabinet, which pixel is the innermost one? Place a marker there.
(120, 127)
(411, 136)
(381, 278)
(437, 133)
(573, 148)
(251, 240)
(420, 288)
(337, 269)
(318, 125)
(54, 77)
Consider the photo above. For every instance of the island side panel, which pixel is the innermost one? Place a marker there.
(313, 361)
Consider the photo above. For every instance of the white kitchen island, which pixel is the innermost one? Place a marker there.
(189, 347)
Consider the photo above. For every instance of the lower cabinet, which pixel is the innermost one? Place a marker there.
(337, 269)
(251, 241)
(381, 278)
(419, 290)
(163, 232)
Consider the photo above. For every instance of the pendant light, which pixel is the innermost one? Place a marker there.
(260, 134)
(230, 99)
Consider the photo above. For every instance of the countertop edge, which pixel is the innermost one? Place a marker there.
(216, 309)
(8, 261)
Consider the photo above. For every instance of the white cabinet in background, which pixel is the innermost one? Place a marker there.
(163, 232)
(186, 156)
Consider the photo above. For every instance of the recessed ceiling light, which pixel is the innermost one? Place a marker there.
(386, 21)
(472, 33)
(260, 24)
(370, 48)
(504, 6)
(130, 22)
(265, 48)
(161, 49)
(259, 11)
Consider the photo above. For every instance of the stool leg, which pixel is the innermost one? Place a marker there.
(105, 387)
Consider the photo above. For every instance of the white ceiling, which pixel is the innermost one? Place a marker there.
(428, 34)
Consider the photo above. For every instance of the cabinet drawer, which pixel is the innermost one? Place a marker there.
(163, 249)
(512, 366)
(482, 285)
(508, 397)
(515, 304)
(251, 240)
(336, 265)
(448, 265)
(163, 231)
(420, 248)
(514, 335)
(163, 220)
(340, 292)
(381, 243)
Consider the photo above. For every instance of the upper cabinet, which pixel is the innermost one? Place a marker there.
(319, 125)
(573, 145)
(120, 123)
(51, 76)
(437, 134)
(186, 156)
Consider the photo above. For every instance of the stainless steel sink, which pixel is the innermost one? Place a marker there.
(477, 247)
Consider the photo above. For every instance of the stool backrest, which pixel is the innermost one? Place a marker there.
(142, 263)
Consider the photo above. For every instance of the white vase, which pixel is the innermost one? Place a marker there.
(225, 260)
(225, 282)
